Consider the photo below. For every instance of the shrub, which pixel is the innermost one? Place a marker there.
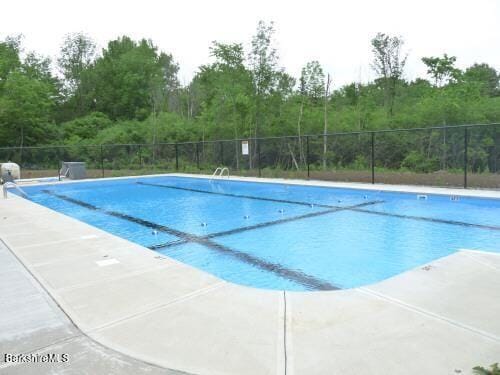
(417, 162)
(494, 370)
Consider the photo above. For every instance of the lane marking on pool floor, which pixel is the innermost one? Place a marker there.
(290, 219)
(236, 195)
(264, 224)
(168, 244)
(276, 268)
(409, 217)
(428, 313)
(430, 219)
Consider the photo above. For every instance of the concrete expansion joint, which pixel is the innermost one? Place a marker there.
(489, 253)
(39, 243)
(429, 314)
(284, 332)
(470, 254)
(160, 306)
(80, 333)
(287, 335)
(117, 277)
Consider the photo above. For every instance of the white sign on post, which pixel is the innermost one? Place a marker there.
(244, 147)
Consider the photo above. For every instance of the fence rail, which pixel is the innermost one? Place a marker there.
(457, 155)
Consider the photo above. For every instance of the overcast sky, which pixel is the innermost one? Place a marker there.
(336, 33)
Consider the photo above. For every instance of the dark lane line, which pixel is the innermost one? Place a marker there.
(267, 224)
(168, 244)
(433, 220)
(236, 195)
(353, 208)
(287, 220)
(120, 215)
(299, 277)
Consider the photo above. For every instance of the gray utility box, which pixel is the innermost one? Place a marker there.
(74, 170)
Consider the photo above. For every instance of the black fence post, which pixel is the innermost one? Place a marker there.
(176, 157)
(102, 162)
(466, 146)
(307, 156)
(153, 151)
(140, 156)
(221, 153)
(373, 157)
(59, 163)
(197, 155)
(258, 157)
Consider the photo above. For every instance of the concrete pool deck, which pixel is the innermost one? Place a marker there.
(133, 311)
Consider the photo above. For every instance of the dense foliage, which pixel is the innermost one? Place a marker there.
(129, 93)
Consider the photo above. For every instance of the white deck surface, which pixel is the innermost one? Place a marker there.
(437, 320)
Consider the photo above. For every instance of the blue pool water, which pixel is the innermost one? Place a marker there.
(280, 236)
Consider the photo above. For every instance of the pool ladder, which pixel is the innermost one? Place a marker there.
(219, 172)
(12, 185)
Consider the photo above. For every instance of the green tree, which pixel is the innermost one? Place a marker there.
(129, 78)
(311, 89)
(9, 57)
(28, 96)
(77, 54)
(312, 81)
(226, 90)
(263, 59)
(388, 63)
(442, 69)
(85, 128)
(26, 110)
(486, 76)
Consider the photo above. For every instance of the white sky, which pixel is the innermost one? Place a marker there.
(336, 33)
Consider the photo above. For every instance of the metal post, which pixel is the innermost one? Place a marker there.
(197, 155)
(153, 149)
(222, 154)
(466, 146)
(176, 157)
(307, 155)
(373, 157)
(102, 162)
(258, 157)
(140, 156)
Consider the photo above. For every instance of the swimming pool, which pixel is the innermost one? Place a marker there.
(280, 236)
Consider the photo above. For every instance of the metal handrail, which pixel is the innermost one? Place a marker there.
(219, 169)
(219, 172)
(10, 184)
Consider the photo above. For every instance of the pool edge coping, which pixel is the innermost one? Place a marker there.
(415, 189)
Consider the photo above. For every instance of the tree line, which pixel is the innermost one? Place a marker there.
(129, 92)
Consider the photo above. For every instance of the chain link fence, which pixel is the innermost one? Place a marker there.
(452, 156)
